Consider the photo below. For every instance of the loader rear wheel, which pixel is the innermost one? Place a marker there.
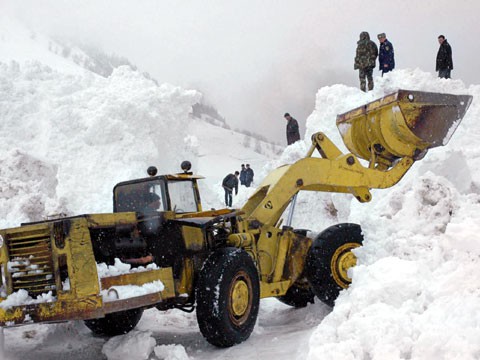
(116, 323)
(329, 259)
(228, 297)
(298, 296)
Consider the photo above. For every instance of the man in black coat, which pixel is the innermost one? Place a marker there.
(386, 56)
(229, 183)
(293, 133)
(249, 176)
(243, 175)
(444, 58)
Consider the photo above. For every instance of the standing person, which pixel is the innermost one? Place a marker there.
(365, 58)
(386, 57)
(243, 175)
(249, 178)
(229, 183)
(444, 58)
(293, 133)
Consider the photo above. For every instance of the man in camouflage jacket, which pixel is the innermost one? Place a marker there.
(367, 52)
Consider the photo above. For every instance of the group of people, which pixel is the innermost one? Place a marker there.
(367, 53)
(246, 175)
(366, 57)
(230, 182)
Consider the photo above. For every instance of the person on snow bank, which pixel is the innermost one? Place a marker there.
(293, 132)
(243, 175)
(386, 56)
(444, 58)
(365, 58)
(249, 176)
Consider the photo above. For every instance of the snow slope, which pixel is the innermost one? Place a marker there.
(67, 137)
(415, 293)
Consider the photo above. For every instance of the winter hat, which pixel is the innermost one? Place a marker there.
(381, 35)
(286, 114)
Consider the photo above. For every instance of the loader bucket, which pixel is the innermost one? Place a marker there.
(403, 124)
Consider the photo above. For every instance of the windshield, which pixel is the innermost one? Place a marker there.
(182, 196)
(145, 196)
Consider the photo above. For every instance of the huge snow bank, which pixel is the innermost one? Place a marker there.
(67, 139)
(415, 292)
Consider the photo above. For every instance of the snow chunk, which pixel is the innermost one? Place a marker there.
(171, 352)
(136, 345)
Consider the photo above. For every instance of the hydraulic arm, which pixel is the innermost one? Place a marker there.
(390, 134)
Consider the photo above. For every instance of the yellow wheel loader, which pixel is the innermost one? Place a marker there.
(159, 248)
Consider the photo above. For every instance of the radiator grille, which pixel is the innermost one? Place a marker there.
(30, 265)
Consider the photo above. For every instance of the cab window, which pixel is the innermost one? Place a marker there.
(140, 196)
(182, 196)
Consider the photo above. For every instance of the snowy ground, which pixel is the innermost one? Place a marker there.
(277, 325)
(67, 139)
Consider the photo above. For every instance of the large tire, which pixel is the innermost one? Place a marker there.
(329, 259)
(228, 297)
(116, 323)
(298, 296)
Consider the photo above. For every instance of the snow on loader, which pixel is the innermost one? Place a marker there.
(170, 253)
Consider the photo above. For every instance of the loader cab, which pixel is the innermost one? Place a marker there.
(178, 193)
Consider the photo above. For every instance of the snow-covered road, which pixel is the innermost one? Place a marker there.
(281, 333)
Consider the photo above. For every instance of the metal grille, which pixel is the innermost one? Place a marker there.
(30, 265)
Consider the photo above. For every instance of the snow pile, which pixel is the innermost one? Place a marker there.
(21, 297)
(120, 292)
(73, 137)
(27, 187)
(415, 293)
(120, 268)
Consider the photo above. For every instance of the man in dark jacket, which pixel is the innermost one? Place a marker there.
(444, 58)
(243, 175)
(293, 133)
(365, 58)
(386, 57)
(229, 183)
(249, 177)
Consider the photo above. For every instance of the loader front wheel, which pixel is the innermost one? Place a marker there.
(329, 259)
(228, 297)
(115, 323)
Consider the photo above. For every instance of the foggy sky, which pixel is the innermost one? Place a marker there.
(257, 59)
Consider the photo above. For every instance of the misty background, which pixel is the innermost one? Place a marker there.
(256, 60)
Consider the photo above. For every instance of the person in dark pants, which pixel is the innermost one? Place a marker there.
(386, 57)
(249, 176)
(229, 183)
(293, 133)
(243, 175)
(365, 58)
(444, 58)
